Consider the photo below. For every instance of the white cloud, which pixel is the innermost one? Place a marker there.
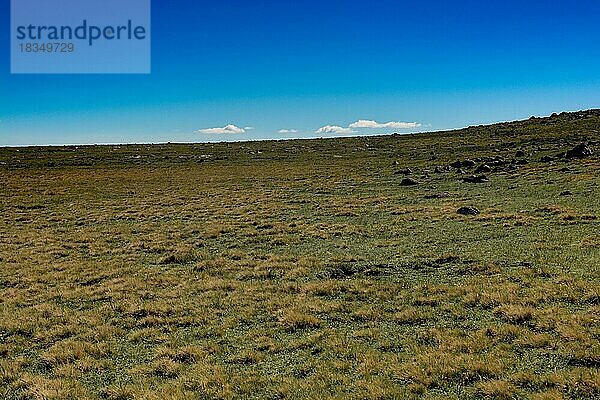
(225, 130)
(287, 131)
(363, 123)
(333, 129)
(248, 128)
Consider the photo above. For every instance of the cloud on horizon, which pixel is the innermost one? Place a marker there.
(366, 124)
(228, 129)
(363, 123)
(333, 129)
(287, 131)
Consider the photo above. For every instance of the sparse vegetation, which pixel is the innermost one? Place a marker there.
(305, 269)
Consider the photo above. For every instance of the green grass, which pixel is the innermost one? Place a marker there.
(303, 269)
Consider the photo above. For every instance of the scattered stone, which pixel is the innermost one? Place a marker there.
(395, 163)
(442, 169)
(441, 195)
(476, 179)
(468, 163)
(456, 164)
(565, 169)
(468, 211)
(579, 151)
(566, 193)
(520, 153)
(483, 168)
(408, 182)
(461, 171)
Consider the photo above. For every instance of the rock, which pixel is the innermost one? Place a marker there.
(483, 168)
(441, 195)
(406, 171)
(395, 163)
(579, 151)
(566, 193)
(441, 169)
(476, 179)
(461, 171)
(520, 153)
(408, 182)
(547, 159)
(463, 164)
(468, 211)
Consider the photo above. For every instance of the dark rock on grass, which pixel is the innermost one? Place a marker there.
(579, 151)
(566, 193)
(463, 164)
(468, 211)
(441, 195)
(476, 179)
(406, 171)
(483, 168)
(565, 169)
(520, 153)
(408, 182)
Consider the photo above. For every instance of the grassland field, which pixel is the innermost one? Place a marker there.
(305, 269)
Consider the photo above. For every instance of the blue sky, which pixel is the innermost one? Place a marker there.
(301, 66)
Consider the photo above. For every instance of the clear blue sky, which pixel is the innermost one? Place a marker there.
(302, 65)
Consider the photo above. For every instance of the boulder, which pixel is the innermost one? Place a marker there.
(468, 211)
(579, 151)
(476, 179)
(483, 168)
(408, 182)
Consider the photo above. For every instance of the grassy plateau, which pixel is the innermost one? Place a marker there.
(306, 269)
